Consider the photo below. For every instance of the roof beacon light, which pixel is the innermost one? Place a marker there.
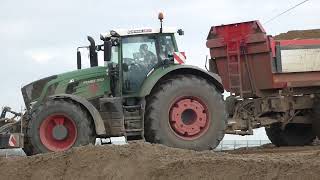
(160, 17)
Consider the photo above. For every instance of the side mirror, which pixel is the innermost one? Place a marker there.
(107, 50)
(180, 32)
(78, 59)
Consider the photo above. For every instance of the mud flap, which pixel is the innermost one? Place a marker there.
(13, 140)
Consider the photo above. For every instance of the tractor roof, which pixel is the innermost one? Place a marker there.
(136, 31)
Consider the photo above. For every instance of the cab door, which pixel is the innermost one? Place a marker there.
(139, 54)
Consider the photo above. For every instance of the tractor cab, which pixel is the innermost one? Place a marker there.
(138, 52)
(132, 54)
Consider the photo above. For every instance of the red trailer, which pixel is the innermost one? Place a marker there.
(273, 83)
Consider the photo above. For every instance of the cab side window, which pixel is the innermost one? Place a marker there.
(166, 46)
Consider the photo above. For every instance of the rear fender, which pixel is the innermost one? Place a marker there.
(98, 122)
(162, 73)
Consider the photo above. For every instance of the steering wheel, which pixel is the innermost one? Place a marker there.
(136, 72)
(133, 66)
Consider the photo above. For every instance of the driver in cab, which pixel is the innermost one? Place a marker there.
(148, 58)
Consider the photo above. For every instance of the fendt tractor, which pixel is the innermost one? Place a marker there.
(145, 91)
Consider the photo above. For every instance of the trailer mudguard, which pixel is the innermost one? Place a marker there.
(98, 122)
(161, 73)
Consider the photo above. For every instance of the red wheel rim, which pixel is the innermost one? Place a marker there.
(58, 132)
(189, 118)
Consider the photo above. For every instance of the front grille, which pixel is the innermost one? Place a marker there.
(33, 90)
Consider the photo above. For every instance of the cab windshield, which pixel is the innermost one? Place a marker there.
(142, 53)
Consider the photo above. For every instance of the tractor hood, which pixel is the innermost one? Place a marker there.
(62, 83)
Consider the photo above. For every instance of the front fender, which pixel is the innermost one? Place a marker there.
(98, 122)
(163, 72)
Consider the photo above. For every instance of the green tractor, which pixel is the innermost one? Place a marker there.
(144, 91)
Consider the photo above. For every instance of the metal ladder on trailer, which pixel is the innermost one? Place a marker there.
(234, 66)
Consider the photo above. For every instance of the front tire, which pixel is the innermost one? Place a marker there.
(58, 125)
(187, 112)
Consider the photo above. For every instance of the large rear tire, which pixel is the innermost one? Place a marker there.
(187, 112)
(292, 135)
(58, 125)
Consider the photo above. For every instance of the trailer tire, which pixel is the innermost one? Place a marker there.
(58, 125)
(316, 118)
(166, 111)
(292, 135)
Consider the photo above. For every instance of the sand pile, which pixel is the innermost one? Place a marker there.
(145, 161)
(299, 34)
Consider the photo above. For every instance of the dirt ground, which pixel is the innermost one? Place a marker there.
(299, 34)
(146, 161)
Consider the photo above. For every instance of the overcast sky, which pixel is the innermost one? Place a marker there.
(39, 37)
